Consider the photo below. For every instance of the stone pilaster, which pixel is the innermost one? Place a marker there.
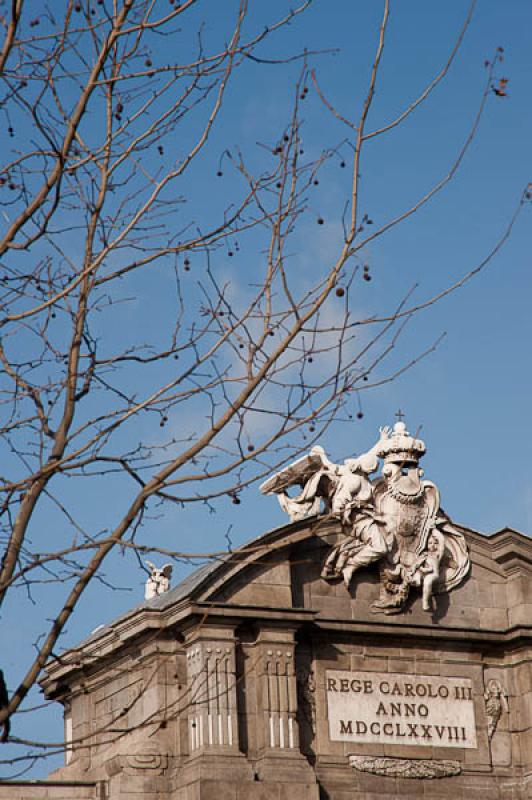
(215, 764)
(279, 756)
(211, 690)
(279, 696)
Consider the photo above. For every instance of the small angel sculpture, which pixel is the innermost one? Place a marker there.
(159, 580)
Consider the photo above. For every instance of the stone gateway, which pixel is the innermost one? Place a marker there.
(369, 648)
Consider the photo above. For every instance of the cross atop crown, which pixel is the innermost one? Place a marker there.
(401, 447)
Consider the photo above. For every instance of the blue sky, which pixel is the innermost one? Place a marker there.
(471, 397)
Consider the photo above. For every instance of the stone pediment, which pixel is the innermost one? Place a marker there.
(279, 573)
(283, 570)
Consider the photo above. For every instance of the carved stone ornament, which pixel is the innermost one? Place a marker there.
(405, 767)
(306, 693)
(136, 763)
(158, 581)
(496, 700)
(394, 520)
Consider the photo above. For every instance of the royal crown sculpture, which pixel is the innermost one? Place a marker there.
(394, 519)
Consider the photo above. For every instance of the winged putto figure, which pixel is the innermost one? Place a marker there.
(394, 520)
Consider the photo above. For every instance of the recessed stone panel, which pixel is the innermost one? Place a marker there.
(398, 708)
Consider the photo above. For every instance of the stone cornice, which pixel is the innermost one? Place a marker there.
(464, 635)
(118, 640)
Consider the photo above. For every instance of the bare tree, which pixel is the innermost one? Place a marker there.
(109, 106)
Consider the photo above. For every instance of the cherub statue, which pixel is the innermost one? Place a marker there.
(427, 567)
(352, 488)
(158, 581)
(424, 572)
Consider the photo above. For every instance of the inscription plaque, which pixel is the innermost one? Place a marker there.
(396, 708)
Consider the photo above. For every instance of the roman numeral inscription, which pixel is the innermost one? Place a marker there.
(395, 708)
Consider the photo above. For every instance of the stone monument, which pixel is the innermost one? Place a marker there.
(369, 648)
(394, 521)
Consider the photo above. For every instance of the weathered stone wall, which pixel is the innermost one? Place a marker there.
(490, 765)
(51, 790)
(223, 695)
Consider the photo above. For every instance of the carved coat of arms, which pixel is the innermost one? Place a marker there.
(394, 520)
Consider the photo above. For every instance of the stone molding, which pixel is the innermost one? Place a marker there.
(135, 763)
